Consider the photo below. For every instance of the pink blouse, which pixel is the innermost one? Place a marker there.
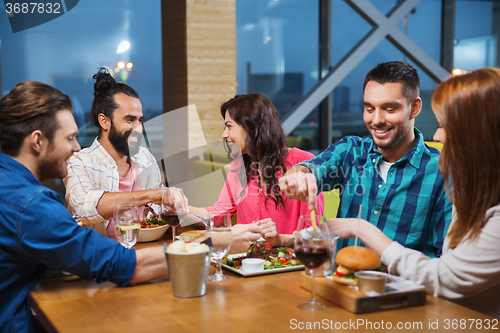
(250, 202)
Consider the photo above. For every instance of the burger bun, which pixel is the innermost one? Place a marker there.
(358, 258)
(345, 281)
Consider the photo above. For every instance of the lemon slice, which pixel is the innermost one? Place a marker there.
(130, 227)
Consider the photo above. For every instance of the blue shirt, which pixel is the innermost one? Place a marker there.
(37, 232)
(410, 207)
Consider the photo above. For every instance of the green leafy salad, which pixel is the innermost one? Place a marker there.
(274, 258)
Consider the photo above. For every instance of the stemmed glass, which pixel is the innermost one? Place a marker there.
(219, 230)
(312, 248)
(173, 208)
(127, 224)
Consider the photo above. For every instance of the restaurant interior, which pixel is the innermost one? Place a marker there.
(308, 57)
(187, 57)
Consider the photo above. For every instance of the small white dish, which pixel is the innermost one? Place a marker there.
(252, 265)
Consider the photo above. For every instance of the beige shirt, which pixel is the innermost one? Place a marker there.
(93, 172)
(469, 274)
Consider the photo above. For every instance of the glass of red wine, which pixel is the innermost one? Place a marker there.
(312, 248)
(173, 207)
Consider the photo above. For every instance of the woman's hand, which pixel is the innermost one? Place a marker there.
(368, 233)
(346, 228)
(269, 232)
(243, 236)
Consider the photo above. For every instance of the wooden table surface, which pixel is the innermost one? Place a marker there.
(253, 304)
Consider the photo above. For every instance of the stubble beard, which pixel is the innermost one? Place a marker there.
(398, 138)
(52, 167)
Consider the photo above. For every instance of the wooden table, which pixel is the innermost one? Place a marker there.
(255, 304)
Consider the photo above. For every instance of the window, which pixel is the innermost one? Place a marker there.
(67, 51)
(277, 52)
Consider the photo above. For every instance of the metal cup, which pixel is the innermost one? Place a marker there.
(188, 273)
(328, 267)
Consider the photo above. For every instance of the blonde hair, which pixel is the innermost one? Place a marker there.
(468, 108)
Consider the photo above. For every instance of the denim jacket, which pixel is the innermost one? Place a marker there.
(37, 232)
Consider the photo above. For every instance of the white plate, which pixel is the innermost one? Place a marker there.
(264, 272)
(258, 240)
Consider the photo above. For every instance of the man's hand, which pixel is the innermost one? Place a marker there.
(300, 183)
(171, 199)
(155, 196)
(106, 204)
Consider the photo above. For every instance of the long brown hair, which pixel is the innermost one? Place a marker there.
(468, 108)
(265, 141)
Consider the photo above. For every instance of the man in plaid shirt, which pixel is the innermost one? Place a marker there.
(114, 165)
(392, 173)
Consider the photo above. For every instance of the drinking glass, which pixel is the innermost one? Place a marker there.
(312, 248)
(119, 200)
(173, 208)
(127, 224)
(219, 230)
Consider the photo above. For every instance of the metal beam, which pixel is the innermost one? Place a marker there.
(430, 66)
(448, 8)
(406, 45)
(1, 91)
(326, 85)
(384, 26)
(325, 64)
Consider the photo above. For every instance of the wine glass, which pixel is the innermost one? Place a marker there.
(127, 224)
(219, 230)
(173, 207)
(312, 248)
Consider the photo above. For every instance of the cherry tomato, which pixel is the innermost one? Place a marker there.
(283, 261)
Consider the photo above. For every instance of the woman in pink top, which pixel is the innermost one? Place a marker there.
(257, 147)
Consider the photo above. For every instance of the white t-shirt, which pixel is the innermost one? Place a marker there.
(383, 168)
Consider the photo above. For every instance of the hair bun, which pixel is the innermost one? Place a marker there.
(103, 80)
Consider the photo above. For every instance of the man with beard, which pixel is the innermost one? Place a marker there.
(392, 173)
(114, 165)
(37, 137)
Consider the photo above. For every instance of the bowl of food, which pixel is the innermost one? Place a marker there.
(151, 230)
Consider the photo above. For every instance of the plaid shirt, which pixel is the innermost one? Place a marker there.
(93, 172)
(410, 207)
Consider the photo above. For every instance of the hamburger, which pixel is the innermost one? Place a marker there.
(351, 259)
